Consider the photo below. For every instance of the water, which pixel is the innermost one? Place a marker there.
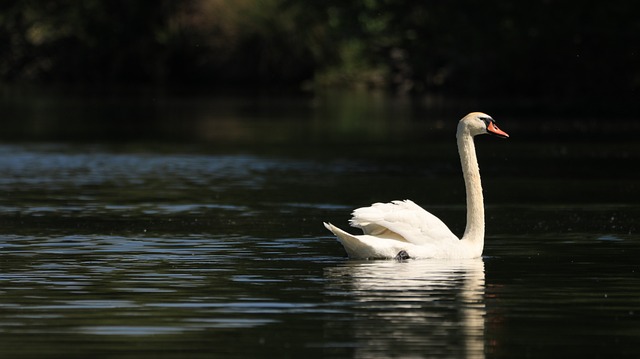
(138, 249)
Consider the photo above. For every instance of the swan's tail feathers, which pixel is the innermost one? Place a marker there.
(330, 227)
(342, 235)
(355, 247)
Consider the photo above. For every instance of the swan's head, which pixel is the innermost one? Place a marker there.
(478, 123)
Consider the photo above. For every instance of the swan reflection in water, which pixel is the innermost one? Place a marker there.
(415, 308)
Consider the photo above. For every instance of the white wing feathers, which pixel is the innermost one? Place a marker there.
(403, 221)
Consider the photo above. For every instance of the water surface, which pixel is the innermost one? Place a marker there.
(139, 249)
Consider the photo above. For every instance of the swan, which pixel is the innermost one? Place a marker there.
(402, 229)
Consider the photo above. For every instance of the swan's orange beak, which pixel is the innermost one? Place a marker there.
(494, 130)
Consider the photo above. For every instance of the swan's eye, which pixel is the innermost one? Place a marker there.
(486, 120)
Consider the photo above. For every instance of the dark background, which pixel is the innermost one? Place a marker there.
(583, 53)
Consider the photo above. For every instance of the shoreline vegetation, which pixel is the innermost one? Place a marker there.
(538, 49)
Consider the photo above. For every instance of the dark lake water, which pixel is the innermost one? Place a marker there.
(192, 227)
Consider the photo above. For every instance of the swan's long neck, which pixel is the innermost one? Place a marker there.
(474, 232)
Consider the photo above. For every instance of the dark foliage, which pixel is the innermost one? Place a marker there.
(542, 48)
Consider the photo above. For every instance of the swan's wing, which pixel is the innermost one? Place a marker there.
(402, 220)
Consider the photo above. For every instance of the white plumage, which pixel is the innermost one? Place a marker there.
(390, 228)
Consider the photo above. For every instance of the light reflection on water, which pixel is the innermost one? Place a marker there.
(415, 305)
(116, 251)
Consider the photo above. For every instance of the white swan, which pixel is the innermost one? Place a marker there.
(402, 229)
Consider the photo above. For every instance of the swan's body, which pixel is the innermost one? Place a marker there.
(391, 228)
